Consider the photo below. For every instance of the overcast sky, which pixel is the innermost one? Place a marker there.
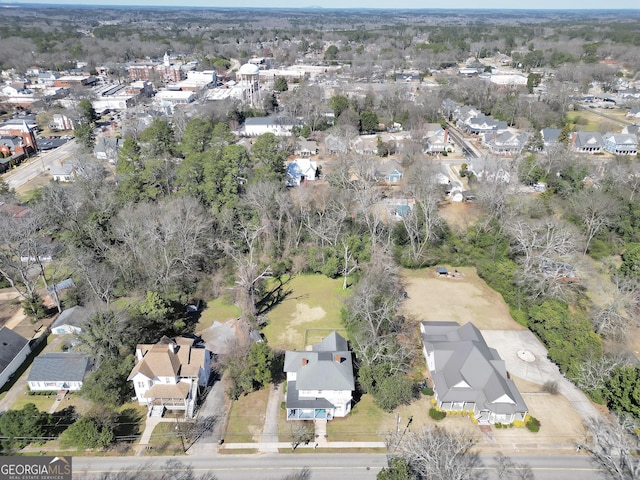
(448, 4)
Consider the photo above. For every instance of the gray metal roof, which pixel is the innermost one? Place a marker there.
(466, 369)
(324, 367)
(293, 399)
(333, 342)
(59, 367)
(10, 345)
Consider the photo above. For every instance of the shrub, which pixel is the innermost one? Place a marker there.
(518, 424)
(427, 391)
(437, 414)
(597, 396)
(550, 387)
(533, 424)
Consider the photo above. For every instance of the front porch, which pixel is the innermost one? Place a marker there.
(309, 414)
(180, 397)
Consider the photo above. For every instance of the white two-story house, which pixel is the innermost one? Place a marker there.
(168, 374)
(320, 381)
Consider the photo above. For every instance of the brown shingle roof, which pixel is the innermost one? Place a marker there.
(181, 390)
(159, 360)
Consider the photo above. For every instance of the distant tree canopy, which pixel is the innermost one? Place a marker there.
(281, 84)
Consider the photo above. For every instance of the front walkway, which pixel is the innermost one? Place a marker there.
(149, 425)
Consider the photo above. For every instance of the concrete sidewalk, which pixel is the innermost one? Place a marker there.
(274, 447)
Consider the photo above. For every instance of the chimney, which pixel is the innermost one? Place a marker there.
(338, 358)
(304, 361)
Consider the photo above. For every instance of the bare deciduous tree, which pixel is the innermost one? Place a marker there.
(24, 250)
(594, 372)
(614, 319)
(241, 242)
(437, 454)
(423, 224)
(537, 241)
(300, 432)
(596, 210)
(613, 445)
(167, 241)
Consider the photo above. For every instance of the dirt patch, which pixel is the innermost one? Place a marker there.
(9, 306)
(460, 215)
(304, 314)
(467, 299)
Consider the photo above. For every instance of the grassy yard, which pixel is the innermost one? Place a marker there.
(309, 313)
(246, 419)
(217, 310)
(590, 121)
(164, 440)
(366, 423)
(43, 402)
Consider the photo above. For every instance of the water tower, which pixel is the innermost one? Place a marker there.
(250, 82)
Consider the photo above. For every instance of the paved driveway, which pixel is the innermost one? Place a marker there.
(217, 338)
(509, 342)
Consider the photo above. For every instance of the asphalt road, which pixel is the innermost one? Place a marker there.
(34, 166)
(324, 466)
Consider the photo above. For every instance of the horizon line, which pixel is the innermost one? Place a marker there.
(4, 3)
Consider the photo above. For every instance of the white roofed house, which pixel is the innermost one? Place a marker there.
(320, 381)
(469, 376)
(167, 374)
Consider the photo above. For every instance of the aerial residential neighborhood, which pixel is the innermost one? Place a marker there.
(369, 239)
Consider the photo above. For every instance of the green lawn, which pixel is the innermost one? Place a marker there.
(366, 423)
(217, 310)
(164, 440)
(246, 419)
(309, 313)
(43, 402)
(586, 120)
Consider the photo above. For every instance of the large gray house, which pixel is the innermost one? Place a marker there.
(468, 375)
(320, 381)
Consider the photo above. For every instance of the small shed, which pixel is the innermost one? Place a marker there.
(442, 271)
